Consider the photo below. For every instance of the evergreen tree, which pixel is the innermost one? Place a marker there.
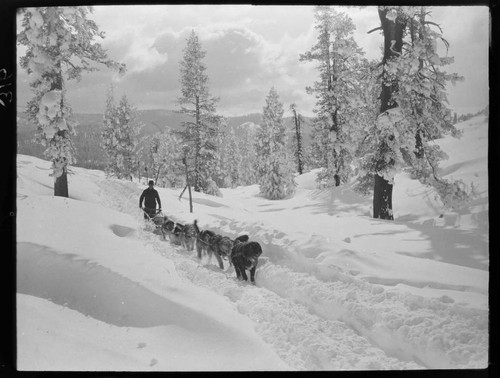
(338, 94)
(247, 171)
(275, 172)
(413, 109)
(88, 143)
(119, 137)
(228, 174)
(201, 132)
(127, 137)
(163, 157)
(108, 139)
(60, 43)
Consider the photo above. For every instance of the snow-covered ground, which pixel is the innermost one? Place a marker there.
(335, 289)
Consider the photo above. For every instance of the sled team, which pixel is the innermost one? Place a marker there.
(241, 253)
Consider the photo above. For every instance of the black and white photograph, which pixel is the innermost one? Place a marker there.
(217, 187)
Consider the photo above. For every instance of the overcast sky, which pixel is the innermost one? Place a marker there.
(249, 49)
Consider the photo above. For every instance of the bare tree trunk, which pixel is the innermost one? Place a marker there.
(188, 186)
(197, 149)
(190, 199)
(337, 179)
(61, 184)
(298, 134)
(158, 174)
(382, 200)
(393, 42)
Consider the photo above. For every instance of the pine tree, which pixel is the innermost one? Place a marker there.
(413, 109)
(201, 132)
(247, 170)
(119, 137)
(60, 43)
(163, 156)
(337, 92)
(228, 174)
(273, 164)
(108, 139)
(127, 137)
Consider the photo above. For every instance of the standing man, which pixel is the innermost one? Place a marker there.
(150, 197)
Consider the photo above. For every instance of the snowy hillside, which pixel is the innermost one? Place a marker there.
(335, 289)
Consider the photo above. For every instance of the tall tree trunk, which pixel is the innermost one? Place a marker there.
(419, 145)
(299, 141)
(337, 179)
(382, 199)
(61, 184)
(197, 186)
(158, 175)
(393, 42)
(334, 115)
(188, 185)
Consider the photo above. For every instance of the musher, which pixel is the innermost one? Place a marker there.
(150, 197)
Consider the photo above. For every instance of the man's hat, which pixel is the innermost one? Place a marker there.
(151, 182)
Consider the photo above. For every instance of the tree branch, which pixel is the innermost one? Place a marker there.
(433, 23)
(374, 29)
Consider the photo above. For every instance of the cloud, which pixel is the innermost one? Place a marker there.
(141, 56)
(242, 65)
(249, 50)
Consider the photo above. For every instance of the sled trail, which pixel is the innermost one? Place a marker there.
(313, 323)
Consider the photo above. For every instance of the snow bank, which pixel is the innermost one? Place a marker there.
(91, 260)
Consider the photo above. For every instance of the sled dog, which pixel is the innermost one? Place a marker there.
(220, 246)
(203, 241)
(173, 231)
(189, 235)
(245, 256)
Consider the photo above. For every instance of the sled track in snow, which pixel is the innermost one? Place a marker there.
(341, 324)
(304, 340)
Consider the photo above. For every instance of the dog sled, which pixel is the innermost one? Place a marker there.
(156, 220)
(241, 253)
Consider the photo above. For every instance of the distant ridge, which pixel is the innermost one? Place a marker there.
(156, 120)
(88, 131)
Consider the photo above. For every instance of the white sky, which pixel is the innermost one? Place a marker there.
(249, 50)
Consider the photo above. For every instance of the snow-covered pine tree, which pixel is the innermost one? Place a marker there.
(337, 93)
(60, 43)
(126, 134)
(119, 137)
(246, 146)
(413, 109)
(162, 155)
(201, 132)
(274, 166)
(228, 173)
(108, 139)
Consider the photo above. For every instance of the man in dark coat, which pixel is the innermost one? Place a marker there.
(150, 197)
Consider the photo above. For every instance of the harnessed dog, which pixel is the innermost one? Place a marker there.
(245, 256)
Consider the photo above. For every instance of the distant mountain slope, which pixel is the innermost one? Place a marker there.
(86, 140)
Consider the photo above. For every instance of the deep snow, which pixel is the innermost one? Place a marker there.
(335, 289)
